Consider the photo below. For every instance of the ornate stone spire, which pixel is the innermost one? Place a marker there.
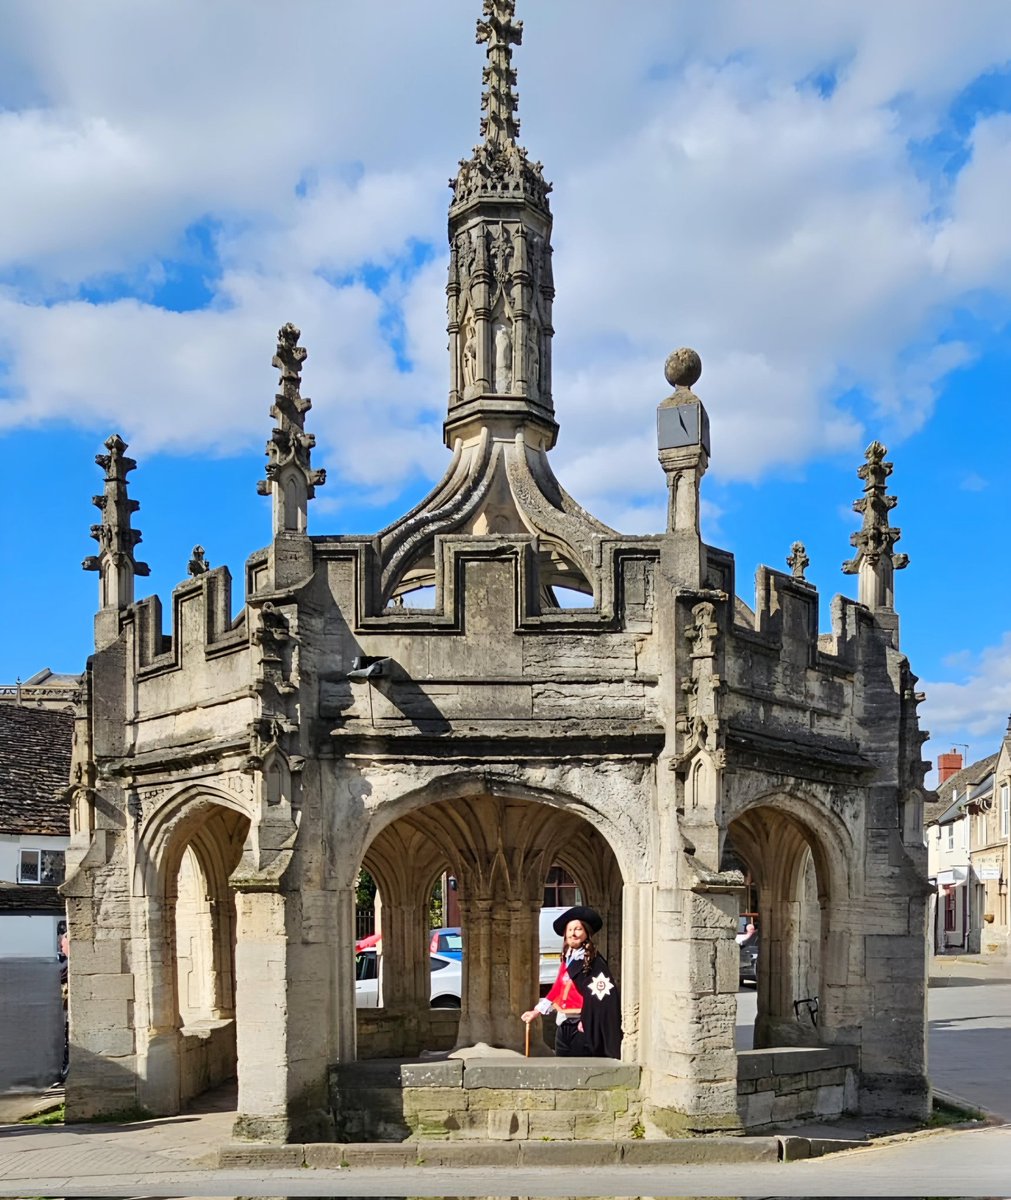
(500, 288)
(500, 32)
(875, 561)
(116, 538)
(291, 481)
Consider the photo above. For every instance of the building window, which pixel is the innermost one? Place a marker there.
(41, 866)
(951, 836)
(949, 910)
(560, 889)
(1005, 809)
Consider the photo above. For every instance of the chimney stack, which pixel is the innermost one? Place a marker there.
(948, 764)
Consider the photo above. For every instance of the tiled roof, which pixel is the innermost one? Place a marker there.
(968, 777)
(34, 769)
(30, 898)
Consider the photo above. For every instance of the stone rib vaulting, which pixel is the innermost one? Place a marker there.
(426, 701)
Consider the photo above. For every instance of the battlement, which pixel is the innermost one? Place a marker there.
(202, 625)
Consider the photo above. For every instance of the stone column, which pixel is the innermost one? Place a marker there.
(283, 990)
(481, 299)
(500, 970)
(691, 1076)
(453, 328)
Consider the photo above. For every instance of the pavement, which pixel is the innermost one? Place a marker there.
(947, 970)
(184, 1155)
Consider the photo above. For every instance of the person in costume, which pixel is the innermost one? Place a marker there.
(584, 997)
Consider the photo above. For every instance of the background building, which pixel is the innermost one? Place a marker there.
(35, 749)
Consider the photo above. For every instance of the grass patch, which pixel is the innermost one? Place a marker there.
(944, 1113)
(51, 1116)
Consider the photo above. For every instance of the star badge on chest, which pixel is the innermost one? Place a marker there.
(601, 986)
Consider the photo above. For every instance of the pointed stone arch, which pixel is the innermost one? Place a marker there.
(798, 853)
(499, 839)
(187, 1050)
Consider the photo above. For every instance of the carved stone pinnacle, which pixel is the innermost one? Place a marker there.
(683, 368)
(798, 561)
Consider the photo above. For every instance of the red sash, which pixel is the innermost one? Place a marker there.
(564, 994)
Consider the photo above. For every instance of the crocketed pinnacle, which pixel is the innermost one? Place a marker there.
(115, 534)
(876, 538)
(499, 167)
(289, 444)
(500, 31)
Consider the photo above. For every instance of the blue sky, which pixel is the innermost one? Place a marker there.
(812, 197)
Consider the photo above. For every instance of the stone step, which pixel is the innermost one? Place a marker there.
(481, 1153)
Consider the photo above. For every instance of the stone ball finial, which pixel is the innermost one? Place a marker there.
(683, 368)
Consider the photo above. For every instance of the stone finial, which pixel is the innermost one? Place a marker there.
(683, 368)
(875, 560)
(500, 31)
(682, 434)
(116, 538)
(291, 480)
(198, 564)
(798, 562)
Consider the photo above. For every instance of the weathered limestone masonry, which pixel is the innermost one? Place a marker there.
(233, 775)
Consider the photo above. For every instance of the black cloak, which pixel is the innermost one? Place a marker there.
(601, 1016)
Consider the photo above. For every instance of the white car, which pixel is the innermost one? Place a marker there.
(551, 947)
(447, 980)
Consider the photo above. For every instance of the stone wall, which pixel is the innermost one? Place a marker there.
(383, 1034)
(206, 1057)
(777, 1087)
(498, 1099)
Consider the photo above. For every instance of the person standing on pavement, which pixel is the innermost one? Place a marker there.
(584, 997)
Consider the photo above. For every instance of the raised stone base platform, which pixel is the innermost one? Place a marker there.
(486, 1099)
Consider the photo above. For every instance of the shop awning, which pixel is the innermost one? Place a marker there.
(955, 877)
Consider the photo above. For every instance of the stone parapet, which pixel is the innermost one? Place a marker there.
(784, 1084)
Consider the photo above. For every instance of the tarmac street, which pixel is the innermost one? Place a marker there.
(970, 1056)
(970, 1028)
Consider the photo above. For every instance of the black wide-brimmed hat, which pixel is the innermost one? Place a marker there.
(590, 918)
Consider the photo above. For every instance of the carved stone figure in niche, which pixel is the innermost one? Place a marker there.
(469, 357)
(503, 358)
(465, 255)
(501, 255)
(703, 630)
(533, 361)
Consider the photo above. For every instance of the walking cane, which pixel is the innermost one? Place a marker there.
(526, 1049)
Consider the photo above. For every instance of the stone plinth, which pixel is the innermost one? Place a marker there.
(486, 1099)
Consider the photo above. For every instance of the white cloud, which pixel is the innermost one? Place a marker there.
(703, 196)
(974, 482)
(976, 710)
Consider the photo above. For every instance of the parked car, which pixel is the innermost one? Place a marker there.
(447, 940)
(447, 979)
(747, 946)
